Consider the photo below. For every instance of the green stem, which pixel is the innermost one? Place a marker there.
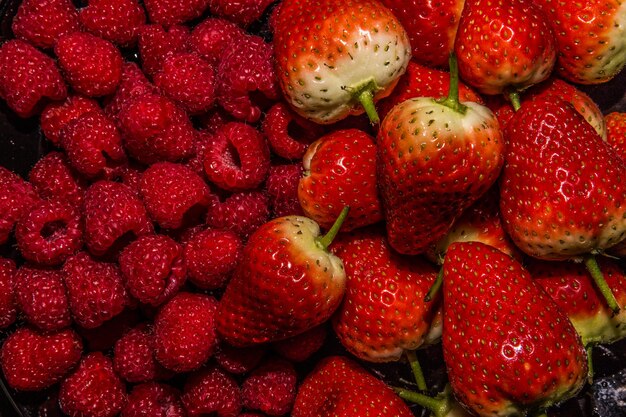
(327, 239)
(366, 98)
(417, 370)
(515, 100)
(540, 413)
(439, 405)
(589, 349)
(434, 289)
(452, 101)
(596, 274)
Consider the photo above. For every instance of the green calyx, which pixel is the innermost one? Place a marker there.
(364, 94)
(452, 101)
(439, 406)
(325, 241)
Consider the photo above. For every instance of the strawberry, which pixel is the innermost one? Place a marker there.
(435, 159)
(504, 46)
(616, 132)
(286, 283)
(591, 38)
(562, 192)
(507, 346)
(384, 293)
(344, 54)
(340, 170)
(339, 386)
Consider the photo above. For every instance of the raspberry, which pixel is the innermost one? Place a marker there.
(211, 37)
(41, 297)
(185, 335)
(238, 158)
(301, 347)
(196, 162)
(28, 78)
(289, 134)
(242, 213)
(50, 232)
(133, 356)
(174, 195)
(16, 198)
(56, 116)
(133, 84)
(211, 391)
(211, 256)
(271, 388)
(95, 290)
(152, 399)
(93, 389)
(114, 215)
(246, 79)
(154, 268)
(188, 80)
(93, 145)
(156, 43)
(42, 22)
(242, 12)
(235, 360)
(32, 360)
(8, 307)
(172, 12)
(282, 189)
(214, 120)
(53, 178)
(155, 129)
(91, 65)
(104, 337)
(117, 21)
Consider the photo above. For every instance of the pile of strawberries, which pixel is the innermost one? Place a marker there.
(388, 174)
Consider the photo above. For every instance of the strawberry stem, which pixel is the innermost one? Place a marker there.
(589, 349)
(434, 289)
(366, 98)
(515, 100)
(592, 266)
(417, 370)
(328, 238)
(540, 413)
(439, 405)
(452, 101)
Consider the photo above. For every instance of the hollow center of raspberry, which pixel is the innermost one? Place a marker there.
(53, 228)
(231, 156)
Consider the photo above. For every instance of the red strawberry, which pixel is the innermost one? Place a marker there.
(591, 38)
(286, 283)
(42, 22)
(28, 78)
(616, 132)
(339, 386)
(507, 347)
(211, 38)
(8, 307)
(242, 12)
(243, 213)
(32, 361)
(504, 46)
(340, 170)
(155, 43)
(153, 399)
(133, 356)
(340, 59)
(56, 116)
(171, 12)
(302, 346)
(562, 192)
(271, 388)
(432, 29)
(117, 21)
(16, 198)
(211, 391)
(435, 159)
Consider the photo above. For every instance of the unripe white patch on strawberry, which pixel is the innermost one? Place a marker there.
(613, 56)
(601, 329)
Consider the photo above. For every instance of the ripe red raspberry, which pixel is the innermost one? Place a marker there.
(174, 195)
(238, 361)
(282, 189)
(28, 78)
(133, 84)
(54, 178)
(93, 390)
(114, 215)
(16, 198)
(211, 37)
(91, 65)
(188, 80)
(41, 297)
(50, 232)
(196, 162)
(154, 399)
(155, 129)
(133, 356)
(93, 145)
(172, 12)
(271, 388)
(289, 134)
(33, 360)
(184, 331)
(242, 12)
(212, 391)
(117, 21)
(211, 256)
(242, 213)
(301, 347)
(8, 307)
(211, 121)
(95, 290)
(42, 22)
(156, 43)
(154, 268)
(247, 67)
(238, 158)
(56, 116)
